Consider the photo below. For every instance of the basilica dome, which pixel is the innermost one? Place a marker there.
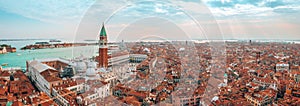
(80, 67)
(91, 72)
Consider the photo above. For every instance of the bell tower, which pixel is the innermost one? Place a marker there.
(103, 49)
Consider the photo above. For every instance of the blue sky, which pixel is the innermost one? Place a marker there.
(130, 19)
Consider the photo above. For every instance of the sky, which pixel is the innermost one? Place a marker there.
(145, 19)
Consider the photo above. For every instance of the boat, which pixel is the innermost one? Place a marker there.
(54, 40)
(18, 54)
(41, 43)
(4, 64)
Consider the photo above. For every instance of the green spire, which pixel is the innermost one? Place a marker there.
(103, 32)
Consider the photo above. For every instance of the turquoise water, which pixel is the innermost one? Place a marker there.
(19, 58)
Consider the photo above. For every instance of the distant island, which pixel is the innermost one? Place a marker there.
(45, 45)
(21, 39)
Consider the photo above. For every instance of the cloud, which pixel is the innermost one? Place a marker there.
(143, 9)
(159, 9)
(287, 9)
(120, 13)
(52, 11)
(274, 3)
(254, 8)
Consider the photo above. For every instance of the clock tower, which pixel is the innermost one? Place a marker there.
(103, 49)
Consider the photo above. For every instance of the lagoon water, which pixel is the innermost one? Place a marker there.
(19, 58)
